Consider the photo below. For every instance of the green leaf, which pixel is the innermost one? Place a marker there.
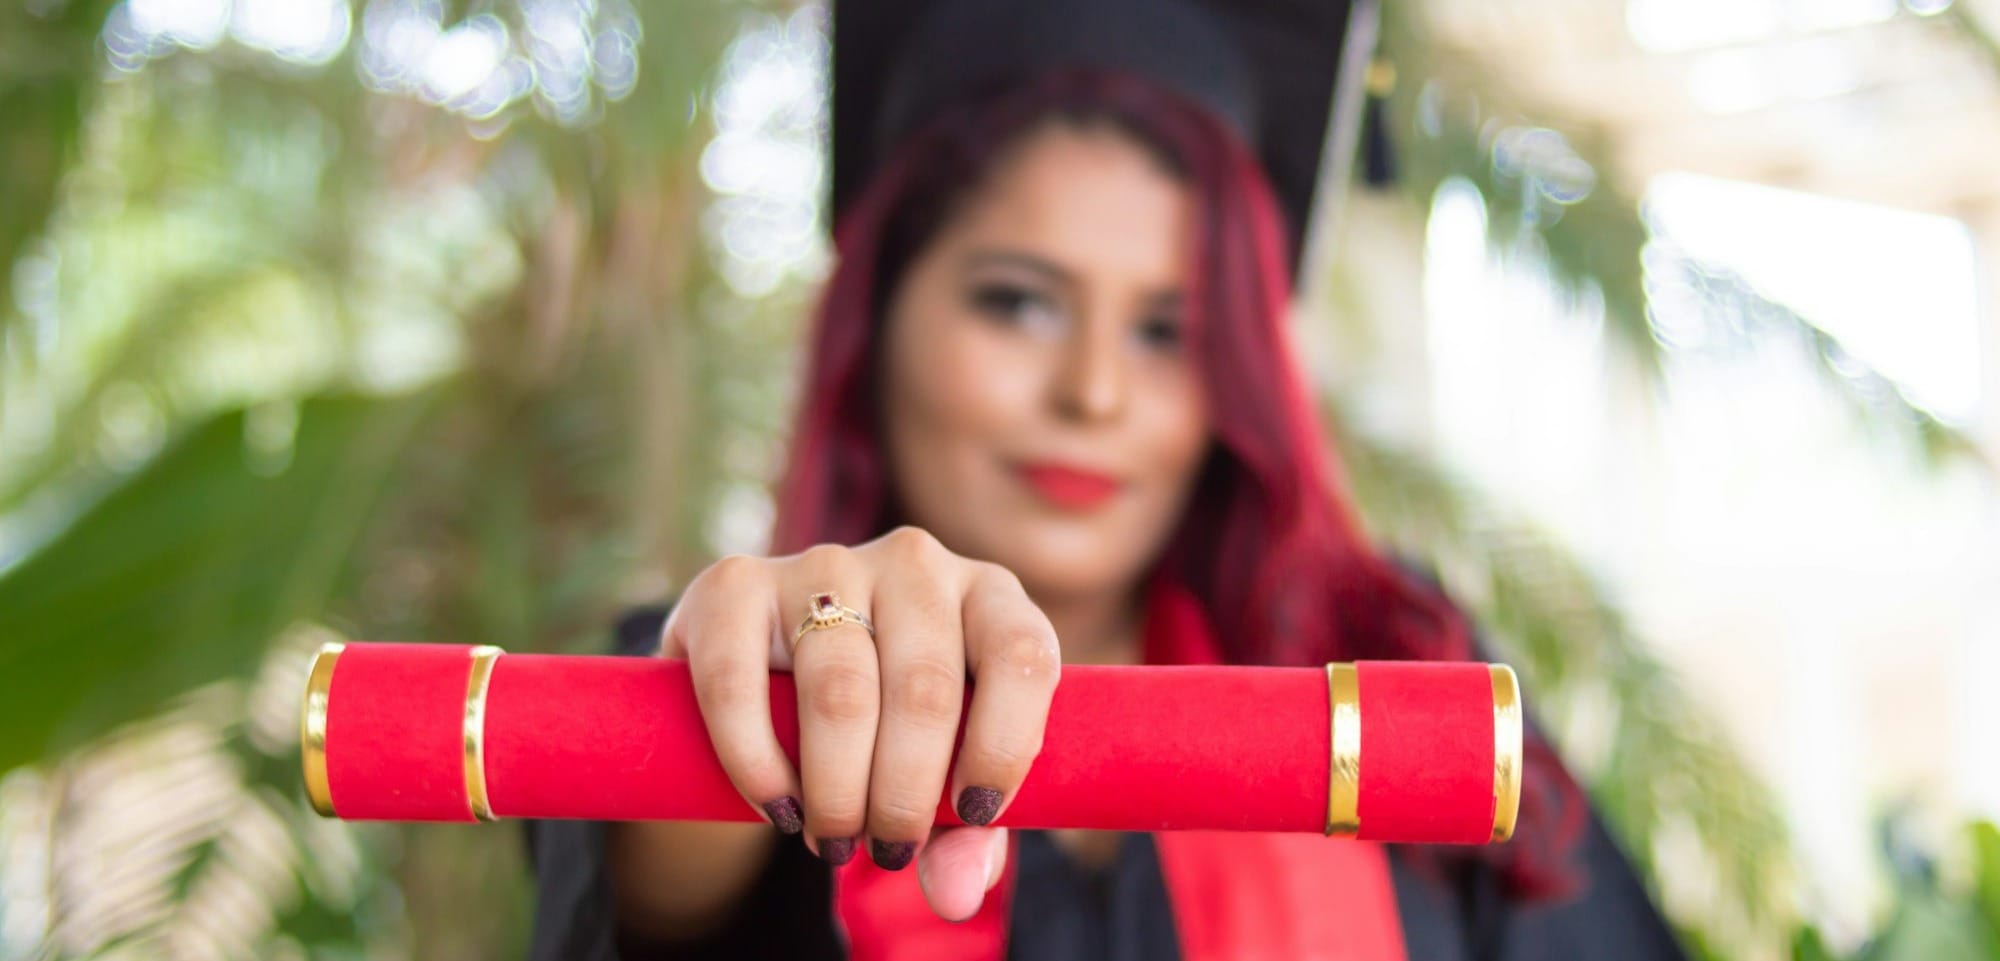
(1807, 945)
(185, 573)
(1986, 862)
(1930, 927)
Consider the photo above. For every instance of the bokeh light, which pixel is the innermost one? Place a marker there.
(767, 163)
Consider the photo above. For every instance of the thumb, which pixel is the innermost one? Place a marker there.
(958, 866)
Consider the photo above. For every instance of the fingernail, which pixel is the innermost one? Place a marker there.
(785, 813)
(892, 855)
(978, 806)
(836, 851)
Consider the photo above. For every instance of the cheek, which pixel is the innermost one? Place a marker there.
(1177, 427)
(953, 396)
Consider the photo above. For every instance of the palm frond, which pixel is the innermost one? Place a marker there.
(1554, 195)
(183, 836)
(1665, 776)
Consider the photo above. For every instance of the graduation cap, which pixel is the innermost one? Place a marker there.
(1268, 68)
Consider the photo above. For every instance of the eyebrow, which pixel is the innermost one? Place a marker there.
(1052, 271)
(1049, 269)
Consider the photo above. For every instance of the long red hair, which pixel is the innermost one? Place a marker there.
(1270, 543)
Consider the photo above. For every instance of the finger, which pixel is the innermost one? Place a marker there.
(922, 649)
(998, 869)
(723, 625)
(1015, 666)
(959, 866)
(839, 697)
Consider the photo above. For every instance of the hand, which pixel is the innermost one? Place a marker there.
(877, 716)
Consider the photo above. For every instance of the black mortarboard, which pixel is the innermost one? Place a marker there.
(1267, 67)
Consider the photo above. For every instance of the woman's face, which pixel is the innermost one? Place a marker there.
(1042, 407)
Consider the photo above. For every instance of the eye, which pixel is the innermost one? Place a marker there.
(1012, 304)
(1001, 300)
(1163, 333)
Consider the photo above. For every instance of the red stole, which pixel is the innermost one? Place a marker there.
(1236, 896)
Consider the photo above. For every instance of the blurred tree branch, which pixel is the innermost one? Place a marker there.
(1648, 752)
(53, 71)
(1565, 206)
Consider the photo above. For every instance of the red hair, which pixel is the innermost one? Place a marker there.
(1270, 544)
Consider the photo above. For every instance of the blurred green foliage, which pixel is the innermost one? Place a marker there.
(188, 571)
(284, 351)
(1930, 918)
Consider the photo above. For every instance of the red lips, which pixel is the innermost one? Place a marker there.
(1068, 487)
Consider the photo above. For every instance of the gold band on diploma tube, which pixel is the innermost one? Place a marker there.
(312, 728)
(1506, 751)
(1343, 790)
(483, 657)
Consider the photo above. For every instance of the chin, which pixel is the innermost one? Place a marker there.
(1067, 556)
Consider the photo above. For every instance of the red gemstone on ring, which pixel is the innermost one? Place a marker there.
(824, 604)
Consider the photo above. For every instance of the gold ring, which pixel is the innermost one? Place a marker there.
(474, 731)
(824, 610)
(1507, 724)
(312, 734)
(1343, 790)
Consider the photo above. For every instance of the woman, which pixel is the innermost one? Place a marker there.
(1051, 418)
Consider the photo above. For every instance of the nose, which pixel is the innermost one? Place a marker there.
(1092, 384)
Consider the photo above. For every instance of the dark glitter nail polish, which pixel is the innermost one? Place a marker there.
(836, 851)
(784, 812)
(978, 806)
(892, 855)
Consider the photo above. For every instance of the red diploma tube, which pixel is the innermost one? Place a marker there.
(1415, 752)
